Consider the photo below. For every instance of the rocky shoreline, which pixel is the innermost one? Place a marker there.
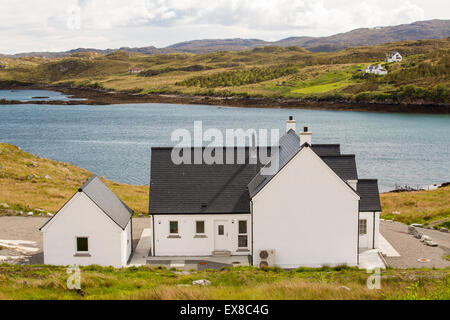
(103, 97)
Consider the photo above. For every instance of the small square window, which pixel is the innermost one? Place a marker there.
(243, 226)
(82, 244)
(173, 226)
(362, 226)
(243, 241)
(200, 227)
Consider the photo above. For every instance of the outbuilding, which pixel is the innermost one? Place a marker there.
(93, 227)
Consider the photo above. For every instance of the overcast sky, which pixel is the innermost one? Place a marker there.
(57, 25)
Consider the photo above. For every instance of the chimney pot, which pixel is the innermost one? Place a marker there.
(305, 137)
(291, 124)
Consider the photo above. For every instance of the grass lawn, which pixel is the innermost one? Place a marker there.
(23, 183)
(49, 282)
(329, 81)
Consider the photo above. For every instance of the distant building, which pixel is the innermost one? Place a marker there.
(394, 56)
(378, 70)
(134, 70)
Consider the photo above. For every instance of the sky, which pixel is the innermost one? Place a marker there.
(50, 25)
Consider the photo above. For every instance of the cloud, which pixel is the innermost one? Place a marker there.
(36, 25)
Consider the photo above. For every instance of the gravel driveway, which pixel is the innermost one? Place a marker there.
(411, 249)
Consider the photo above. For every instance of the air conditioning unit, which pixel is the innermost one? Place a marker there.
(266, 258)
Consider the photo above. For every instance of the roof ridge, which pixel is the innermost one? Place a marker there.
(88, 181)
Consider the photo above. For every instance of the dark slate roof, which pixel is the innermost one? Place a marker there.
(327, 149)
(289, 145)
(343, 165)
(199, 188)
(106, 200)
(370, 197)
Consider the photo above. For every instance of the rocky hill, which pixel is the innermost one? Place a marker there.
(420, 30)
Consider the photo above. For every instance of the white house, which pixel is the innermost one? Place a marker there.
(93, 227)
(378, 70)
(313, 211)
(134, 70)
(394, 56)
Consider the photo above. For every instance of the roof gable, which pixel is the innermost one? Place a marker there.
(105, 199)
(289, 145)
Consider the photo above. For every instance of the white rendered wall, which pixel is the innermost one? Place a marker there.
(80, 217)
(190, 245)
(307, 214)
(368, 241)
(126, 243)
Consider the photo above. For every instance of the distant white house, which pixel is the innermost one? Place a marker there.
(134, 70)
(312, 211)
(394, 56)
(93, 227)
(378, 70)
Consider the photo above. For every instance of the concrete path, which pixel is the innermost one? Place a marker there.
(370, 259)
(386, 248)
(140, 255)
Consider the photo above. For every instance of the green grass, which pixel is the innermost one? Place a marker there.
(417, 207)
(329, 81)
(49, 282)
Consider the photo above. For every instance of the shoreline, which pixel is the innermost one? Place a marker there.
(105, 97)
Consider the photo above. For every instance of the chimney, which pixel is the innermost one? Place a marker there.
(291, 124)
(305, 137)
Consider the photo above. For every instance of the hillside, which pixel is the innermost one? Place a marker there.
(29, 183)
(420, 30)
(422, 77)
(426, 207)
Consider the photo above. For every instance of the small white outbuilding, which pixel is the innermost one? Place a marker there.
(93, 227)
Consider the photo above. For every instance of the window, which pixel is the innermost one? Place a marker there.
(173, 227)
(200, 227)
(221, 230)
(243, 227)
(243, 235)
(82, 244)
(242, 241)
(362, 226)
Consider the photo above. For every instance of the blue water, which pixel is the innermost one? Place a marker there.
(114, 141)
(27, 95)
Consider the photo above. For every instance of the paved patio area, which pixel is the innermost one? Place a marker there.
(198, 263)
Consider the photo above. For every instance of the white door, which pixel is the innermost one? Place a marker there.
(221, 235)
(363, 233)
